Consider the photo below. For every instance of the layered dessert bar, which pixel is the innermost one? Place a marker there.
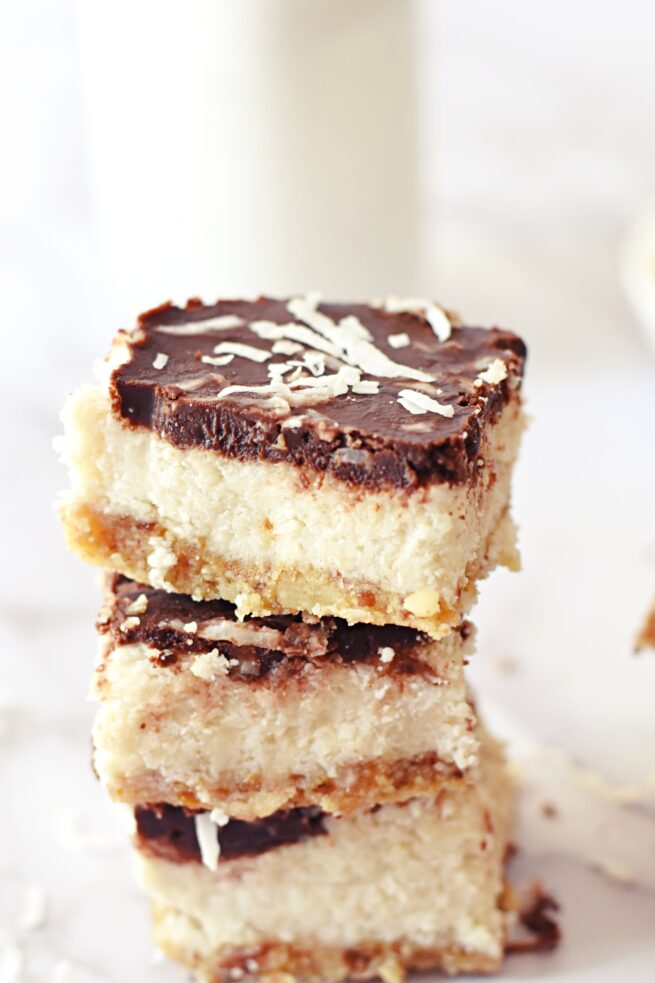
(646, 636)
(318, 897)
(295, 456)
(198, 709)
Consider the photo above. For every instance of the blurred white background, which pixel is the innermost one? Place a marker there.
(529, 129)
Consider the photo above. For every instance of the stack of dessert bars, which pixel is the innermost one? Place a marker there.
(296, 500)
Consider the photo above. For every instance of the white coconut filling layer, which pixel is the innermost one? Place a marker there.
(276, 517)
(186, 726)
(429, 872)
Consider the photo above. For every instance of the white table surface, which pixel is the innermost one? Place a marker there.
(555, 667)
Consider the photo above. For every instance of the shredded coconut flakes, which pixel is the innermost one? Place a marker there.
(369, 387)
(216, 359)
(416, 402)
(160, 361)
(219, 817)
(433, 314)
(302, 391)
(401, 340)
(285, 347)
(270, 331)
(354, 341)
(207, 824)
(242, 351)
(199, 327)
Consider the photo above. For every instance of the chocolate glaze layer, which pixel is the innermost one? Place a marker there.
(276, 646)
(367, 440)
(169, 832)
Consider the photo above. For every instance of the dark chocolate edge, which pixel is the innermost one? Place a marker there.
(228, 430)
(169, 832)
(346, 644)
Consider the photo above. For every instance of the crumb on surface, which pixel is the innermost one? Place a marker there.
(536, 916)
(138, 606)
(507, 664)
(209, 665)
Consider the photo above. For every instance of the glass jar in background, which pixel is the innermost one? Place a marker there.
(242, 147)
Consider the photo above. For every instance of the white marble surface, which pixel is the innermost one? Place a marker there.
(525, 232)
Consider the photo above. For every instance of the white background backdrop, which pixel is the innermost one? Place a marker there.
(537, 127)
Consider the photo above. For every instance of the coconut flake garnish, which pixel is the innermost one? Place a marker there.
(417, 403)
(190, 385)
(242, 351)
(216, 360)
(241, 633)
(494, 374)
(278, 369)
(285, 347)
(433, 314)
(270, 331)
(206, 834)
(312, 389)
(219, 817)
(199, 327)
(370, 359)
(352, 340)
(370, 387)
(401, 340)
(305, 309)
(160, 361)
(314, 362)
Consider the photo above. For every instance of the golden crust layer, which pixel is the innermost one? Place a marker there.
(122, 544)
(359, 787)
(278, 962)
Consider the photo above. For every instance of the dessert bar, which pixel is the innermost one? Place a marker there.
(293, 456)
(415, 885)
(200, 710)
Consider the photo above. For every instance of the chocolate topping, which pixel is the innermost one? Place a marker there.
(275, 647)
(169, 832)
(364, 438)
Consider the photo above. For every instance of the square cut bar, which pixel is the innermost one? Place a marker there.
(200, 710)
(348, 460)
(406, 886)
